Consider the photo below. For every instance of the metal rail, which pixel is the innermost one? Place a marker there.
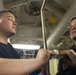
(45, 69)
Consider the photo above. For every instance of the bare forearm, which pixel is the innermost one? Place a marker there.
(18, 66)
(24, 66)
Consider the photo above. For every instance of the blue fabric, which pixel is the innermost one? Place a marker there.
(35, 72)
(7, 51)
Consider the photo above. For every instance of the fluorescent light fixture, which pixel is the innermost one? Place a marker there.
(28, 47)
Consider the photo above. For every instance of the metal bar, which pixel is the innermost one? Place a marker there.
(45, 69)
(43, 24)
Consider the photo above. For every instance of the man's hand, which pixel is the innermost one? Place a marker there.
(44, 55)
(64, 52)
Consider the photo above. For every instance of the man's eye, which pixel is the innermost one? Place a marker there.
(10, 18)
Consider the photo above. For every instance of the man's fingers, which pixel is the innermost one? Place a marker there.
(51, 52)
(61, 52)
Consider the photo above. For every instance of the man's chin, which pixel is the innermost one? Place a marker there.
(12, 34)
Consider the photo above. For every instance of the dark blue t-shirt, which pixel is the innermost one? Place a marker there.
(7, 51)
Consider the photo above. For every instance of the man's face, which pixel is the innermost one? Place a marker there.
(73, 29)
(8, 24)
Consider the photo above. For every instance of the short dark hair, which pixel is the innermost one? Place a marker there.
(5, 11)
(73, 18)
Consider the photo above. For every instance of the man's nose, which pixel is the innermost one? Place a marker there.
(14, 23)
(73, 28)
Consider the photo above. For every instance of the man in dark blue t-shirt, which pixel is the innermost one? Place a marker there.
(6, 49)
(11, 64)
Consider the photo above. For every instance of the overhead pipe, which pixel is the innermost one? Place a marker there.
(52, 9)
(62, 26)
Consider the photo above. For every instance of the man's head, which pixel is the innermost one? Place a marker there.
(7, 23)
(73, 28)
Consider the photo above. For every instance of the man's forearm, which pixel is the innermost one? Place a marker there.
(18, 66)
